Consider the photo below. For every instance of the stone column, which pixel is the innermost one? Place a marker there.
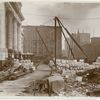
(2, 26)
(19, 38)
(3, 49)
(10, 30)
(15, 34)
(22, 39)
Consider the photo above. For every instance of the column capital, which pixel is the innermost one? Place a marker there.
(9, 12)
(15, 20)
(9, 7)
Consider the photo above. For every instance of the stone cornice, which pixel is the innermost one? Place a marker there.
(12, 10)
(17, 6)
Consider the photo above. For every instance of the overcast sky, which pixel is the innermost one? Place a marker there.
(85, 17)
(82, 16)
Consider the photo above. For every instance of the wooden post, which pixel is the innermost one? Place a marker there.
(55, 40)
(34, 88)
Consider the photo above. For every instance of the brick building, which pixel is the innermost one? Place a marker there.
(33, 43)
(82, 39)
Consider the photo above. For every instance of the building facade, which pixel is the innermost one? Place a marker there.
(67, 50)
(33, 43)
(92, 50)
(82, 39)
(11, 35)
(95, 45)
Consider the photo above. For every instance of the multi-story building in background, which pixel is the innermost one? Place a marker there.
(95, 47)
(67, 52)
(91, 46)
(82, 39)
(10, 29)
(34, 44)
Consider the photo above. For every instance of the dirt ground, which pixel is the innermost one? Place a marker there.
(22, 85)
(16, 87)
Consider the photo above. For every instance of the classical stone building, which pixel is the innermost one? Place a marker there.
(33, 43)
(11, 35)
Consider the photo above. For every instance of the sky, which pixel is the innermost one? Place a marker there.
(82, 16)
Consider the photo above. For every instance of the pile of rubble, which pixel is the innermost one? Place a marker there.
(18, 69)
(80, 89)
(91, 75)
(71, 64)
(47, 86)
(82, 82)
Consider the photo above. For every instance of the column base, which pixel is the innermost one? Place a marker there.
(17, 54)
(3, 54)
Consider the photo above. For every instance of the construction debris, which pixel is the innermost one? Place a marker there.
(92, 75)
(95, 92)
(73, 79)
(56, 82)
(19, 69)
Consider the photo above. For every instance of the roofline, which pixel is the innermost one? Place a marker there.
(37, 26)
